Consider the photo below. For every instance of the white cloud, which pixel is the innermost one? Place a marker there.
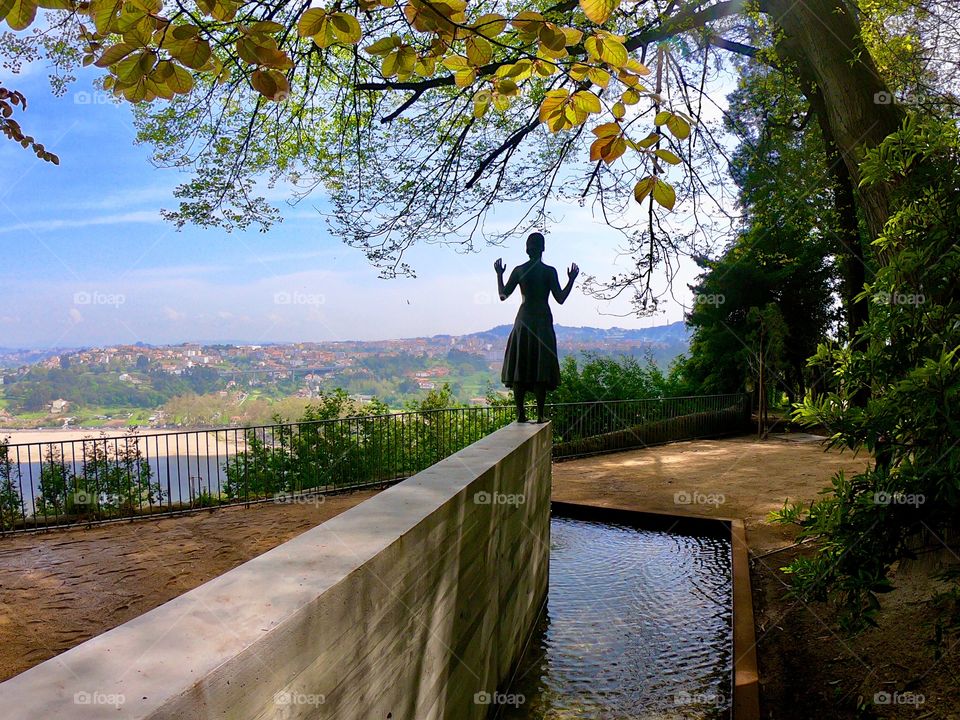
(142, 216)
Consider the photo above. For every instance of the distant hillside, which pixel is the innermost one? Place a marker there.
(14, 357)
(663, 342)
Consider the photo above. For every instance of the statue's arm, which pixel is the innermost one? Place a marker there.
(507, 290)
(561, 294)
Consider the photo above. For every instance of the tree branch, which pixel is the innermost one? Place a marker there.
(681, 22)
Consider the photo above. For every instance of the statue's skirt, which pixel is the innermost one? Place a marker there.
(531, 354)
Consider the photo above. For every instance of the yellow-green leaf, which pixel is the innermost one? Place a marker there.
(265, 27)
(346, 27)
(649, 141)
(490, 25)
(662, 117)
(631, 97)
(637, 67)
(528, 22)
(578, 71)
(552, 103)
(552, 38)
(481, 103)
(544, 69)
(479, 50)
(383, 45)
(619, 110)
(573, 35)
(668, 156)
(464, 78)
(181, 81)
(679, 127)
(607, 130)
(114, 53)
(606, 49)
(22, 14)
(644, 188)
(586, 101)
(455, 63)
(311, 22)
(406, 62)
(192, 52)
(103, 12)
(389, 66)
(664, 194)
(599, 11)
(598, 76)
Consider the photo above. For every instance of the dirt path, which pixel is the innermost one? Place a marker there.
(60, 588)
(738, 477)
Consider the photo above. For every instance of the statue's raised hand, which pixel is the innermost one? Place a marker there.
(499, 266)
(573, 272)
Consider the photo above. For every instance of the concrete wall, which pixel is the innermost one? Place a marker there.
(403, 608)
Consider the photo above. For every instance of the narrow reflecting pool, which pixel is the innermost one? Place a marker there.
(637, 625)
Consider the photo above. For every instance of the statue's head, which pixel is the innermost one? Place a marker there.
(535, 245)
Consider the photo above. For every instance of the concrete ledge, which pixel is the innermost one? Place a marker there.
(403, 607)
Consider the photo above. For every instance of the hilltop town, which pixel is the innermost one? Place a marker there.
(151, 384)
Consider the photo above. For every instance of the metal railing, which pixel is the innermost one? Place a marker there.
(104, 479)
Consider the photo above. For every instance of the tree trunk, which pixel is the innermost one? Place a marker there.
(850, 250)
(823, 39)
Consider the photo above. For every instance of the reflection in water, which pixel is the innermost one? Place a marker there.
(637, 625)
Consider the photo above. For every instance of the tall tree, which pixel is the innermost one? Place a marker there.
(420, 117)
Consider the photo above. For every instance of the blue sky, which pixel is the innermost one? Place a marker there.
(87, 260)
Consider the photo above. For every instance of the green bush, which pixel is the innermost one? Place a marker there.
(909, 364)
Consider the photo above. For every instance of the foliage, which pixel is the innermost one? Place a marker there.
(102, 386)
(768, 272)
(9, 101)
(616, 378)
(11, 503)
(333, 446)
(112, 478)
(910, 364)
(779, 266)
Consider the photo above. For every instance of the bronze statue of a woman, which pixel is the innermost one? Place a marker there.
(530, 362)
